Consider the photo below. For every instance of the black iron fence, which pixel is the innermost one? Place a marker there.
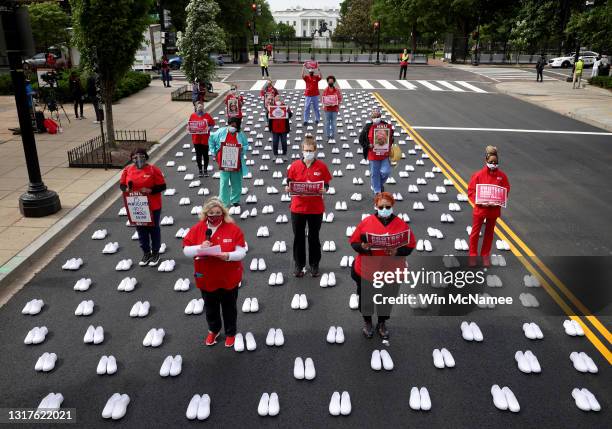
(96, 152)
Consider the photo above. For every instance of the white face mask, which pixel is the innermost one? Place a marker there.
(308, 156)
(376, 120)
(278, 103)
(492, 166)
(231, 129)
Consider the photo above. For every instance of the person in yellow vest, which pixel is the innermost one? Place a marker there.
(404, 57)
(578, 73)
(263, 62)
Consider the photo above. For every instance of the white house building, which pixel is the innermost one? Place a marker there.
(307, 21)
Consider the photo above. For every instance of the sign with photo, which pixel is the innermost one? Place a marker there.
(388, 241)
(491, 194)
(232, 107)
(198, 127)
(381, 140)
(306, 188)
(278, 112)
(138, 209)
(330, 100)
(311, 65)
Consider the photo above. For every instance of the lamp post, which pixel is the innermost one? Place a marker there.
(255, 8)
(37, 201)
(377, 29)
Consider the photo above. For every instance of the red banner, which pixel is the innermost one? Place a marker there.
(306, 188)
(198, 127)
(138, 208)
(491, 194)
(388, 241)
(278, 112)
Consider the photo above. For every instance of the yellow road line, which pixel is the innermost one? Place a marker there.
(451, 174)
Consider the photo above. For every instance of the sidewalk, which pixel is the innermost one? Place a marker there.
(592, 105)
(149, 109)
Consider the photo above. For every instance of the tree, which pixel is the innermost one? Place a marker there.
(49, 25)
(108, 33)
(177, 12)
(356, 23)
(202, 37)
(285, 31)
(593, 27)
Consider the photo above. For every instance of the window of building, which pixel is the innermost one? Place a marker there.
(294, 23)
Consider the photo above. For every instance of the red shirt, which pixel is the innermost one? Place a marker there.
(148, 177)
(202, 138)
(240, 101)
(299, 172)
(371, 155)
(332, 91)
(312, 85)
(489, 177)
(373, 225)
(280, 126)
(213, 273)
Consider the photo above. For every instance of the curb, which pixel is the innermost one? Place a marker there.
(27, 257)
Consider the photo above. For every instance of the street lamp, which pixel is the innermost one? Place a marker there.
(255, 8)
(377, 30)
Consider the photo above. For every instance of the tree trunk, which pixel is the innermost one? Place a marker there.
(110, 126)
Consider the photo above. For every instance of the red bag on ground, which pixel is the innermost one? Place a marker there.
(51, 126)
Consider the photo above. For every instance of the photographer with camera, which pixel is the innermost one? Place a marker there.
(76, 91)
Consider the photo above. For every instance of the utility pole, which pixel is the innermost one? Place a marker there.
(377, 29)
(37, 201)
(255, 7)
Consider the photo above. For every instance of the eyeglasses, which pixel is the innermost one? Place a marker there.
(384, 207)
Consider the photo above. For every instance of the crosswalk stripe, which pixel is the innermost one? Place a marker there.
(322, 84)
(300, 84)
(406, 84)
(344, 84)
(470, 86)
(429, 85)
(386, 84)
(258, 85)
(280, 84)
(450, 86)
(364, 84)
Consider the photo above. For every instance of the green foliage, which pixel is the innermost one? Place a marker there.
(602, 81)
(356, 22)
(202, 37)
(6, 84)
(131, 83)
(284, 31)
(593, 27)
(177, 13)
(49, 23)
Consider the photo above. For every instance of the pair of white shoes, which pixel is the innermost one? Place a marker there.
(94, 335)
(179, 154)
(440, 190)
(299, 302)
(195, 210)
(417, 205)
(329, 246)
(154, 338)
(172, 366)
(404, 174)
(194, 183)
(271, 190)
(181, 285)
(279, 247)
(46, 362)
(268, 405)
(328, 280)
(33, 307)
(531, 281)
(181, 233)
(110, 248)
(185, 201)
(331, 191)
(167, 266)
(82, 284)
(585, 400)
(72, 264)
(116, 406)
(583, 362)
(250, 305)
(341, 206)
(188, 177)
(251, 199)
(99, 234)
(391, 181)
(356, 197)
(203, 191)
(493, 280)
(471, 332)
(249, 339)
(135, 235)
(424, 245)
(340, 404)
(461, 244)
(421, 181)
(450, 261)
(413, 189)
(397, 196)
(528, 300)
(404, 217)
(257, 264)
(36, 335)
(357, 181)
(140, 309)
(263, 231)
(498, 260)
(527, 362)
(447, 218)
(124, 265)
(502, 245)
(107, 365)
(304, 369)
(282, 219)
(433, 198)
(127, 284)
(337, 173)
(328, 217)
(434, 233)
(285, 198)
(53, 401)
(195, 307)
(169, 192)
(420, 399)
(454, 207)
(337, 161)
(462, 197)
(85, 308)
(532, 331)
(354, 301)
(277, 175)
(347, 261)
(122, 212)
(167, 220)
(275, 337)
(276, 279)
(199, 407)
(381, 359)
(350, 230)
(504, 399)
(245, 214)
(448, 182)
(335, 335)
(267, 209)
(443, 359)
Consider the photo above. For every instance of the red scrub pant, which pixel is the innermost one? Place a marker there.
(487, 241)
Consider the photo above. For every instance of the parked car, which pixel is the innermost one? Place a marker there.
(40, 59)
(176, 62)
(568, 61)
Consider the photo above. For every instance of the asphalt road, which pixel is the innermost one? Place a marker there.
(236, 381)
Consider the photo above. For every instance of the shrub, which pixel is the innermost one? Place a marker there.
(6, 85)
(602, 81)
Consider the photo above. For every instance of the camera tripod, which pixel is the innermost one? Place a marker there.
(54, 106)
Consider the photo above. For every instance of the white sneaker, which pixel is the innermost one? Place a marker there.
(158, 338)
(263, 407)
(375, 361)
(449, 361)
(387, 362)
(354, 301)
(192, 408)
(303, 302)
(415, 399)
(246, 305)
(177, 366)
(331, 335)
(513, 404)
(298, 369)
(164, 371)
(279, 338)
(254, 305)
(579, 363)
(144, 309)
(270, 337)
(438, 359)
(261, 265)
(425, 399)
(49, 362)
(107, 412)
(120, 407)
(239, 343)
(111, 365)
(523, 364)
(148, 339)
(98, 335)
(499, 398)
(593, 403)
(476, 332)
(272, 279)
(102, 364)
(309, 369)
(339, 335)
(89, 335)
(466, 331)
(324, 279)
(295, 302)
(334, 404)
(582, 402)
(331, 280)
(279, 279)
(345, 404)
(533, 362)
(250, 342)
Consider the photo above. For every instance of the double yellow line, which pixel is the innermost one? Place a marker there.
(549, 281)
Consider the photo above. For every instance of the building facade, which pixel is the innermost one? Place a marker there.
(307, 21)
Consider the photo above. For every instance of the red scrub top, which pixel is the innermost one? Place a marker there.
(147, 177)
(299, 172)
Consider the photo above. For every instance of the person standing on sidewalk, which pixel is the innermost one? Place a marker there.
(540, 68)
(596, 64)
(76, 91)
(92, 94)
(279, 127)
(233, 105)
(205, 123)
(578, 73)
(311, 93)
(264, 60)
(376, 140)
(490, 174)
(307, 209)
(404, 57)
(229, 146)
(165, 71)
(149, 180)
(218, 275)
(332, 96)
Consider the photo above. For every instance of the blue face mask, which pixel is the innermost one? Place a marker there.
(384, 212)
(231, 129)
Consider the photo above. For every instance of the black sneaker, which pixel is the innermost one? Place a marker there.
(299, 272)
(367, 330)
(200, 174)
(146, 257)
(382, 331)
(314, 270)
(154, 259)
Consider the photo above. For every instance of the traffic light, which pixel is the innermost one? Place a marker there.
(376, 25)
(254, 7)
(258, 10)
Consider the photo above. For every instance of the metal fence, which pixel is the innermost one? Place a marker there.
(96, 153)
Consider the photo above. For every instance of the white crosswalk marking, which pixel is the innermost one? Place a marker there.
(450, 86)
(300, 84)
(500, 74)
(280, 84)
(429, 85)
(258, 85)
(386, 84)
(344, 84)
(406, 84)
(322, 84)
(365, 84)
(470, 86)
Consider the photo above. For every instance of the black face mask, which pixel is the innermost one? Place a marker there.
(331, 84)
